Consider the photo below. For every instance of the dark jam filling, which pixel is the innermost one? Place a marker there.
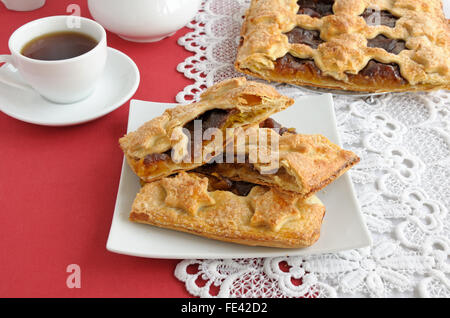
(156, 157)
(391, 45)
(290, 62)
(316, 8)
(214, 118)
(374, 69)
(271, 123)
(219, 183)
(374, 17)
(389, 71)
(303, 36)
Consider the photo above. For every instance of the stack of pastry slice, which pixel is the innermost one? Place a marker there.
(223, 169)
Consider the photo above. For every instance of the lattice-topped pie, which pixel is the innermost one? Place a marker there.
(358, 45)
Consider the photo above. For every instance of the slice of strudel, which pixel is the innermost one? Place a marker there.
(188, 136)
(236, 212)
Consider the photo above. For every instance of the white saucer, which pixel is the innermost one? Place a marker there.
(118, 83)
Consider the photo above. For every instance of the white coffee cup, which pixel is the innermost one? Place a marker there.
(60, 81)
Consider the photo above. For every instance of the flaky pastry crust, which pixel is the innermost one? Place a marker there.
(264, 217)
(305, 164)
(249, 102)
(343, 54)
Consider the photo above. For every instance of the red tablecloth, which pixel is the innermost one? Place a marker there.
(58, 187)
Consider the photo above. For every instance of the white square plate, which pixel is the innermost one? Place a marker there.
(343, 226)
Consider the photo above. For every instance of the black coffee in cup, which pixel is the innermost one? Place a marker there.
(58, 46)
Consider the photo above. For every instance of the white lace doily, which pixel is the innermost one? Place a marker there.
(402, 184)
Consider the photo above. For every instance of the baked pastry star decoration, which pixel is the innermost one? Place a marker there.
(187, 192)
(273, 209)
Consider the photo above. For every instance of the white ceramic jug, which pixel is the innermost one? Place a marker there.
(143, 20)
(23, 5)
